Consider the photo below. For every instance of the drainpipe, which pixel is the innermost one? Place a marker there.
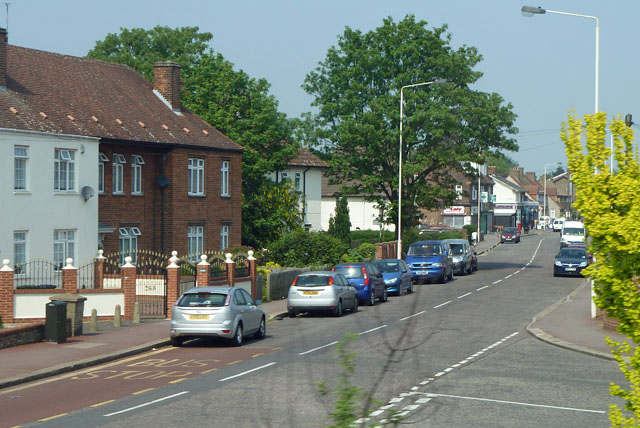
(163, 183)
(304, 194)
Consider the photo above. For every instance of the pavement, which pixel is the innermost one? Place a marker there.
(567, 324)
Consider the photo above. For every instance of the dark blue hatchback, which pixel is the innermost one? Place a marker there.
(570, 261)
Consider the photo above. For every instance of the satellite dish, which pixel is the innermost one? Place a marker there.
(87, 193)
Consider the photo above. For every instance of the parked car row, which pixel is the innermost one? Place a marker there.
(439, 260)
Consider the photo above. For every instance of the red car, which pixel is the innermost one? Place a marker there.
(509, 234)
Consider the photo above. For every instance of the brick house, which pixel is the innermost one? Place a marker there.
(164, 179)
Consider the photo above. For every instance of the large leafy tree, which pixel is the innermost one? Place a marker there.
(357, 92)
(233, 102)
(610, 205)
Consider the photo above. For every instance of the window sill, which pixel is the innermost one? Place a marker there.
(137, 194)
(118, 194)
(197, 195)
(21, 192)
(228, 196)
(74, 193)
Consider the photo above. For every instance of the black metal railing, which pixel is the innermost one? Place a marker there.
(37, 274)
(86, 276)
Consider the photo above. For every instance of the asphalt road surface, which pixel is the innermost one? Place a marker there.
(449, 355)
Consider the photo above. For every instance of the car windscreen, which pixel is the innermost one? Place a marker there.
(203, 299)
(387, 267)
(509, 230)
(350, 271)
(572, 253)
(573, 231)
(457, 249)
(312, 280)
(424, 250)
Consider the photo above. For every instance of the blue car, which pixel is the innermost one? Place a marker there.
(430, 260)
(367, 280)
(571, 261)
(397, 275)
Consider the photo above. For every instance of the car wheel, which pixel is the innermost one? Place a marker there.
(443, 280)
(470, 271)
(177, 341)
(237, 338)
(410, 287)
(501, 241)
(337, 312)
(292, 313)
(372, 298)
(451, 275)
(354, 308)
(385, 296)
(262, 330)
(555, 274)
(401, 290)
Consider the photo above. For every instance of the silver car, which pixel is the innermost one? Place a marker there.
(462, 256)
(321, 291)
(227, 312)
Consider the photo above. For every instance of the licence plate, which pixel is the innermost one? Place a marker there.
(570, 269)
(422, 272)
(198, 317)
(310, 293)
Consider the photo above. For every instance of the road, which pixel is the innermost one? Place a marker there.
(454, 355)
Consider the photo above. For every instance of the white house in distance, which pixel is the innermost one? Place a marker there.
(49, 185)
(305, 174)
(362, 214)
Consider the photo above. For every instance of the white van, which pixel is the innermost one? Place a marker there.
(557, 224)
(572, 232)
(543, 222)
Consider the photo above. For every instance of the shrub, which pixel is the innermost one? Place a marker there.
(470, 228)
(364, 252)
(372, 236)
(301, 249)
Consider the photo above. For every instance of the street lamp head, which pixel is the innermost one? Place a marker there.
(440, 81)
(530, 11)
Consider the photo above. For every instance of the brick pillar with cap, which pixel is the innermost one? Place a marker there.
(253, 274)
(6, 293)
(70, 277)
(202, 272)
(128, 274)
(173, 282)
(98, 270)
(231, 270)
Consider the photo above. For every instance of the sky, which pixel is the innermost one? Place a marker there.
(543, 65)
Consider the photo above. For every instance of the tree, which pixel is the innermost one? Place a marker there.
(357, 92)
(234, 103)
(559, 170)
(340, 225)
(502, 162)
(610, 206)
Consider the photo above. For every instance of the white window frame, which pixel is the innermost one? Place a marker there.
(195, 242)
(20, 171)
(284, 176)
(224, 178)
(20, 256)
(136, 174)
(196, 177)
(458, 192)
(128, 243)
(102, 159)
(63, 246)
(118, 174)
(474, 194)
(64, 171)
(224, 237)
(298, 181)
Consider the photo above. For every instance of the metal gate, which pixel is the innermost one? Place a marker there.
(151, 284)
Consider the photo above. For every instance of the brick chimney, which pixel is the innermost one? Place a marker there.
(3, 57)
(166, 80)
(531, 176)
(491, 170)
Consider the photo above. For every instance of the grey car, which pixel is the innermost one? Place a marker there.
(227, 312)
(321, 291)
(462, 254)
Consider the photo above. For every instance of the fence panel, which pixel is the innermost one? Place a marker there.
(188, 271)
(37, 274)
(87, 276)
(242, 266)
(217, 268)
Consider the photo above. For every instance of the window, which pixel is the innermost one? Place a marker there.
(118, 173)
(129, 243)
(298, 182)
(64, 170)
(224, 170)
(224, 237)
(20, 252)
(20, 156)
(136, 174)
(284, 176)
(195, 239)
(196, 176)
(102, 158)
(458, 192)
(63, 246)
(474, 194)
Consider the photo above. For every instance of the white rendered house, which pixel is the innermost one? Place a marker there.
(49, 185)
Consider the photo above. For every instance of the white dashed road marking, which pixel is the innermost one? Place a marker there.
(442, 304)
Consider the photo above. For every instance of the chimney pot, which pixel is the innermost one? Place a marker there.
(166, 80)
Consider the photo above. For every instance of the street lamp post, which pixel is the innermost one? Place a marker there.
(437, 81)
(530, 11)
(544, 198)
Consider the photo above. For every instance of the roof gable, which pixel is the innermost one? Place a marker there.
(55, 93)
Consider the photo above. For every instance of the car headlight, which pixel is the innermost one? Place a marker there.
(558, 263)
(583, 264)
(457, 259)
(436, 264)
(391, 281)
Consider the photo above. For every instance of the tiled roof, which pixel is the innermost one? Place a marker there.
(63, 94)
(306, 158)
